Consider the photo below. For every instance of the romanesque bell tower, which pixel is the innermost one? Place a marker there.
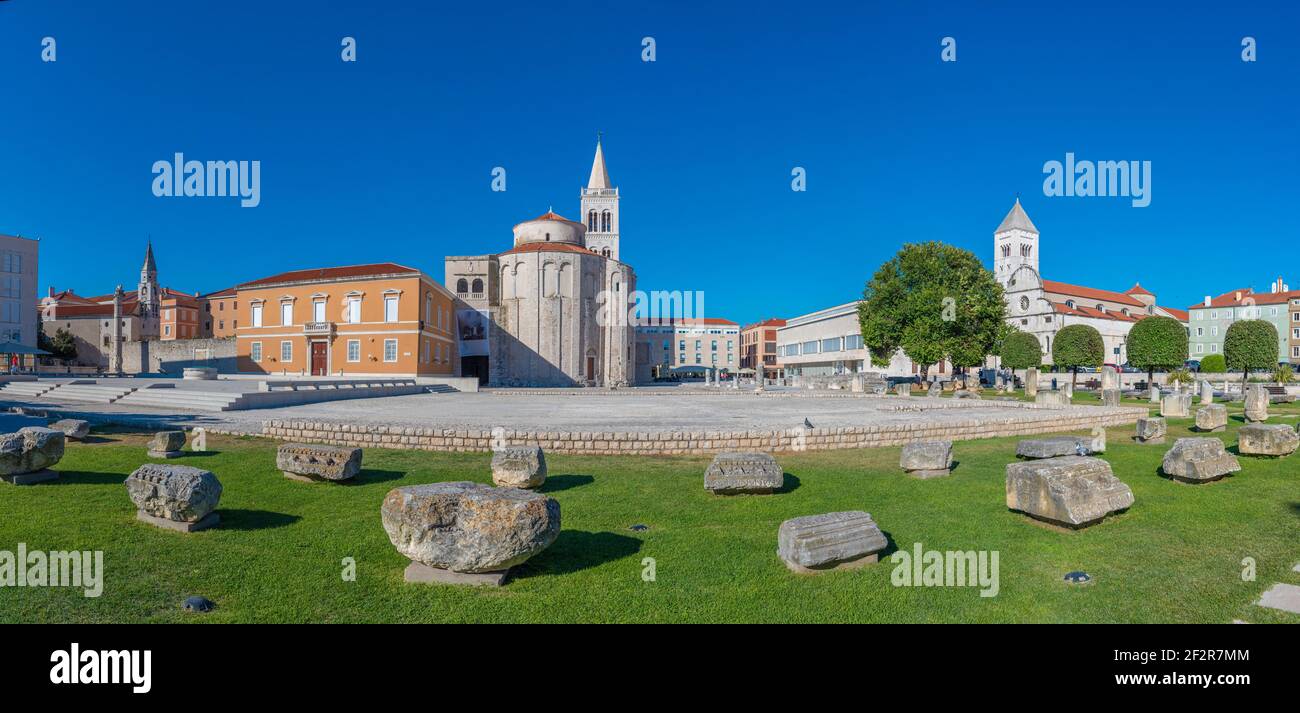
(147, 295)
(1015, 244)
(600, 209)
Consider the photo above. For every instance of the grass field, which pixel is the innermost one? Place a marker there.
(1175, 556)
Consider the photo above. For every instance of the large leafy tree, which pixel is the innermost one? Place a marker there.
(1021, 350)
(1078, 345)
(1157, 343)
(61, 346)
(933, 301)
(1251, 344)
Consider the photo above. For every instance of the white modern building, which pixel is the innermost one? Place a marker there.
(829, 342)
(18, 271)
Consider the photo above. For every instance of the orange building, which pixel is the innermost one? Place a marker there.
(361, 320)
(179, 316)
(221, 312)
(760, 337)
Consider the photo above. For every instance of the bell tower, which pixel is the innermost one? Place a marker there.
(148, 297)
(600, 209)
(1015, 244)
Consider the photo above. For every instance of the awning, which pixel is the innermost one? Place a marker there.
(16, 348)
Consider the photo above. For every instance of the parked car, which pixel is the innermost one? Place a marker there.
(892, 381)
(1193, 364)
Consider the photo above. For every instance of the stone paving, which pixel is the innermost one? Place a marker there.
(628, 410)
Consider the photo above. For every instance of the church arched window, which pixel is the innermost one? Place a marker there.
(462, 286)
(591, 220)
(478, 286)
(604, 222)
(605, 252)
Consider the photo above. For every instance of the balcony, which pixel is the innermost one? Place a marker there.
(318, 328)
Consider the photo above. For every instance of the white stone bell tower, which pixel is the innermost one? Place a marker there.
(600, 209)
(1015, 243)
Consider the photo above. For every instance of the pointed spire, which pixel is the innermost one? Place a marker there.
(599, 176)
(149, 265)
(1017, 219)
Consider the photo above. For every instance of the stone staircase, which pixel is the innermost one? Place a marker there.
(190, 400)
(441, 389)
(25, 389)
(88, 392)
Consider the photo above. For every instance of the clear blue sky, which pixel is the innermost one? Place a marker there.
(390, 158)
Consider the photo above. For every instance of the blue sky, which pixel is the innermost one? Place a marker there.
(390, 158)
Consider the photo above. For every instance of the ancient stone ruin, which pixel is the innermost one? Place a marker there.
(310, 463)
(73, 428)
(1212, 418)
(1151, 430)
(519, 467)
(25, 456)
(743, 473)
(167, 444)
(1071, 491)
(175, 497)
(836, 540)
(1260, 439)
(468, 533)
(1198, 460)
(929, 459)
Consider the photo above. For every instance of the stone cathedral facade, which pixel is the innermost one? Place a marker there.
(551, 310)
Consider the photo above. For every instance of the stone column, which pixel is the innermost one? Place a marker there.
(115, 333)
(1155, 392)
(1207, 393)
(1031, 382)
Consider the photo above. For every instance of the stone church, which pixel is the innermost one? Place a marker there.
(552, 309)
(1043, 307)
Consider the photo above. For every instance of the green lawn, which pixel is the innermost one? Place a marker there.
(1175, 556)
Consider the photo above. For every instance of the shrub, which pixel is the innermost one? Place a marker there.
(1182, 375)
(1157, 343)
(1283, 375)
(1214, 364)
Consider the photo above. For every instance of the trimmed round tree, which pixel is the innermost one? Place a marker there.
(1021, 350)
(1157, 343)
(1250, 344)
(1078, 345)
(1214, 364)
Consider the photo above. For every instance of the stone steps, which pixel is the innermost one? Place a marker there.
(441, 389)
(26, 389)
(181, 399)
(88, 393)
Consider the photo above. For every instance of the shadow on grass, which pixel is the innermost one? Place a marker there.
(789, 482)
(575, 550)
(890, 547)
(81, 477)
(556, 483)
(254, 519)
(197, 454)
(369, 475)
(1295, 509)
(94, 440)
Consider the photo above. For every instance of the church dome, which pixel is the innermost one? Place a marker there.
(550, 227)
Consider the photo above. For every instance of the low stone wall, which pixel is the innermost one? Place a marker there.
(692, 442)
(172, 356)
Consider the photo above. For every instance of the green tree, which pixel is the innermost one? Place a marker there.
(1157, 343)
(1214, 364)
(61, 346)
(1250, 344)
(1021, 350)
(933, 301)
(1078, 345)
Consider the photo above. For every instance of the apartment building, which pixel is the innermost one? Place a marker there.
(221, 312)
(758, 344)
(362, 320)
(18, 265)
(829, 342)
(1208, 322)
(703, 343)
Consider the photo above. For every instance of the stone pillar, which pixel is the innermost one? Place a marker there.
(115, 333)
(1155, 392)
(1256, 403)
(1109, 378)
(1068, 388)
(1110, 397)
(1207, 392)
(1031, 382)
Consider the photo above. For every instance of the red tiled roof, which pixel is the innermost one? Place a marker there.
(1179, 314)
(1247, 296)
(549, 247)
(1091, 293)
(228, 292)
(1138, 289)
(92, 310)
(1081, 311)
(773, 322)
(705, 321)
(549, 215)
(332, 273)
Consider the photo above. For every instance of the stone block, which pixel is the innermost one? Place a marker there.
(420, 573)
(1151, 430)
(310, 462)
(73, 428)
(1198, 460)
(736, 473)
(212, 519)
(167, 444)
(928, 459)
(1110, 397)
(1176, 405)
(1261, 439)
(31, 449)
(1073, 491)
(1256, 404)
(1054, 446)
(837, 540)
(519, 467)
(469, 527)
(180, 493)
(1283, 597)
(1212, 418)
